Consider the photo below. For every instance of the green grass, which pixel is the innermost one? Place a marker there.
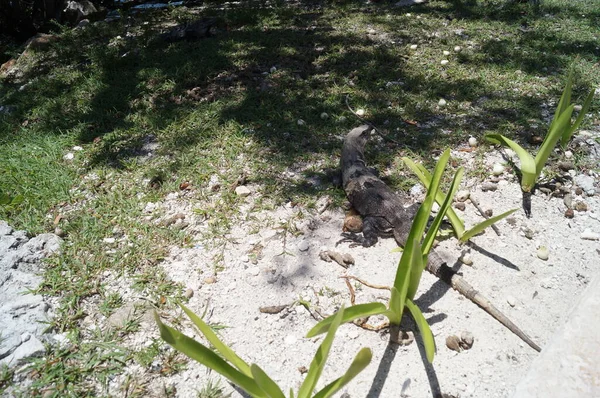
(216, 107)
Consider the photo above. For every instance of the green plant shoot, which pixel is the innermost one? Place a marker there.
(251, 378)
(560, 129)
(457, 223)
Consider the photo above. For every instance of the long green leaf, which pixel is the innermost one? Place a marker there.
(415, 276)
(425, 177)
(320, 358)
(360, 362)
(265, 382)
(528, 168)
(569, 133)
(565, 100)
(208, 358)
(444, 207)
(221, 347)
(484, 224)
(554, 134)
(424, 329)
(350, 314)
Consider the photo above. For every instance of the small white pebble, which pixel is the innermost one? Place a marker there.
(568, 154)
(457, 49)
(472, 142)
(301, 122)
(466, 259)
(69, 156)
(360, 112)
(77, 148)
(273, 69)
(498, 169)
(442, 102)
(303, 246)
(577, 108)
(413, 47)
(324, 115)
(342, 119)
(543, 253)
(408, 14)
(109, 240)
(444, 62)
(589, 235)
(446, 52)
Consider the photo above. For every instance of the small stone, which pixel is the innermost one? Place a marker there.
(488, 213)
(462, 195)
(460, 206)
(360, 112)
(342, 119)
(498, 169)
(210, 280)
(466, 259)
(543, 253)
(453, 342)
(353, 334)
(303, 246)
(568, 154)
(435, 208)
(569, 213)
(577, 108)
(109, 240)
(578, 191)
(444, 62)
(301, 122)
(589, 235)
(446, 52)
(457, 49)
(69, 156)
(566, 166)
(511, 301)
(488, 186)
(242, 191)
(442, 102)
(77, 148)
(568, 201)
(59, 232)
(472, 142)
(273, 69)
(416, 190)
(324, 115)
(189, 293)
(466, 340)
(581, 206)
(253, 271)
(413, 47)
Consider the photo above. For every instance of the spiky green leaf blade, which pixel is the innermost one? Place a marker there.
(569, 133)
(424, 329)
(265, 382)
(320, 358)
(360, 362)
(208, 358)
(554, 134)
(565, 100)
(484, 224)
(444, 207)
(221, 347)
(350, 314)
(425, 177)
(528, 168)
(418, 266)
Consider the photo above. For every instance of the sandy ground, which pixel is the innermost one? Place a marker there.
(265, 266)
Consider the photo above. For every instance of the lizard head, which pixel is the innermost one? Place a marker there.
(359, 135)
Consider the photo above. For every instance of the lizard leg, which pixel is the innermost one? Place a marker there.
(371, 229)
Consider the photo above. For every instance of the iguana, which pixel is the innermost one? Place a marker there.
(384, 215)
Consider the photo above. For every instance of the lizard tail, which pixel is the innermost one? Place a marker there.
(437, 267)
